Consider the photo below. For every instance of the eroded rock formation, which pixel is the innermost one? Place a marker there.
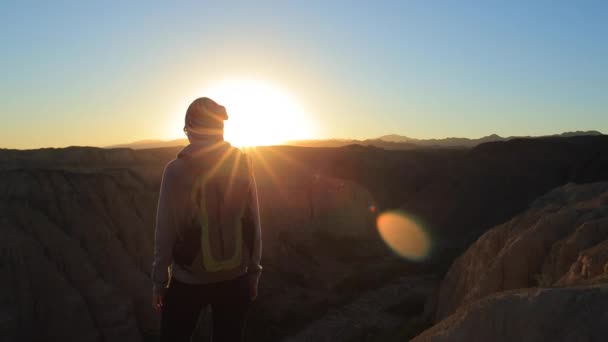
(547, 314)
(560, 242)
(76, 227)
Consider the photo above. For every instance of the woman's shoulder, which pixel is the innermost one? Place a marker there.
(174, 167)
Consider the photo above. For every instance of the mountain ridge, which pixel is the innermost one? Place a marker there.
(389, 141)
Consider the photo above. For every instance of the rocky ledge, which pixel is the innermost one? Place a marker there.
(541, 276)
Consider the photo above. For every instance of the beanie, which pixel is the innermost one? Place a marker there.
(204, 114)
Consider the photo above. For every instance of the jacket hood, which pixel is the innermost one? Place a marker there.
(205, 150)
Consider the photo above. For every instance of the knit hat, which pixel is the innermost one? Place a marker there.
(205, 116)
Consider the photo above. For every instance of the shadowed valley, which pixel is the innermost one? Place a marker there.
(77, 228)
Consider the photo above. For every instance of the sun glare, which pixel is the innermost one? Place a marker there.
(404, 235)
(259, 113)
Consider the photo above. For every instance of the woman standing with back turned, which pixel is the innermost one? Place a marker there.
(208, 235)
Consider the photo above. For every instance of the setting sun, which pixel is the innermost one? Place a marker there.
(259, 113)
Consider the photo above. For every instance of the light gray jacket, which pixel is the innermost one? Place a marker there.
(207, 209)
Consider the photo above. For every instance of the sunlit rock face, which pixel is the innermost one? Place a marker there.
(548, 314)
(560, 241)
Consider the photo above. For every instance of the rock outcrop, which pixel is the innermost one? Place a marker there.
(549, 314)
(78, 243)
(561, 242)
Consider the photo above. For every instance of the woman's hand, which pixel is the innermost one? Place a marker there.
(157, 301)
(254, 279)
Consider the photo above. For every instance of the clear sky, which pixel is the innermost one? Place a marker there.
(78, 73)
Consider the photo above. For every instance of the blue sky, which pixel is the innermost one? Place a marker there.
(78, 73)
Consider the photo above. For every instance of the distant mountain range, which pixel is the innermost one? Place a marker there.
(389, 142)
(400, 142)
(151, 143)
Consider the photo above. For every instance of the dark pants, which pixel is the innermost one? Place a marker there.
(183, 303)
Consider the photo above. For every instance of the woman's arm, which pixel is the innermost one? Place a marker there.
(164, 235)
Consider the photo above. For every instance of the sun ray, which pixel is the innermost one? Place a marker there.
(233, 171)
(219, 163)
(281, 155)
(209, 148)
(274, 179)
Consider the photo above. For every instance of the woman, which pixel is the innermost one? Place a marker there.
(207, 232)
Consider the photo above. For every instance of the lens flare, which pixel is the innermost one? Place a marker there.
(404, 235)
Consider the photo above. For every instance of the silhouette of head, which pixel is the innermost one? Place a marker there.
(205, 119)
